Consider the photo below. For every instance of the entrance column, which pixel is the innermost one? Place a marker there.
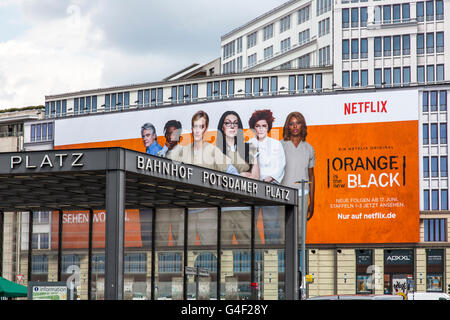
(115, 226)
(291, 254)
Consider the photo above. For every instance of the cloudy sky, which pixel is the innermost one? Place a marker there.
(54, 46)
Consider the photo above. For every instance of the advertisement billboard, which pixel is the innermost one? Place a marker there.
(358, 151)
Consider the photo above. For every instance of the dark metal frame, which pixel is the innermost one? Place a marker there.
(111, 178)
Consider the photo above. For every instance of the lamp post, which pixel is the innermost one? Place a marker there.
(303, 244)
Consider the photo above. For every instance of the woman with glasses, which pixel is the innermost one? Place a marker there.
(230, 140)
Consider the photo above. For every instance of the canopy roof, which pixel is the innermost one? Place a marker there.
(10, 289)
(77, 180)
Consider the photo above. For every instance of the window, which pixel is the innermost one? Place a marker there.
(303, 14)
(363, 16)
(39, 264)
(324, 27)
(169, 262)
(291, 84)
(378, 78)
(304, 61)
(345, 79)
(396, 44)
(444, 199)
(397, 76)
(274, 85)
(303, 37)
(430, 42)
(434, 199)
(434, 230)
(69, 260)
(251, 60)
(419, 11)
(439, 10)
(426, 167)
(268, 32)
(285, 24)
(426, 199)
(440, 72)
(444, 166)
(396, 16)
(248, 87)
(406, 75)
(324, 56)
(239, 45)
(387, 77)
(345, 49)
(355, 49)
(430, 73)
(135, 263)
(434, 133)
(377, 46)
(420, 43)
(443, 100)
(285, 45)
(405, 12)
(433, 101)
(355, 17)
(387, 46)
(364, 78)
(430, 10)
(425, 103)
(406, 44)
(268, 52)
(443, 133)
(345, 18)
(355, 78)
(318, 82)
(439, 42)
(251, 40)
(434, 167)
(425, 134)
(309, 82)
(387, 14)
(420, 74)
(364, 48)
(229, 49)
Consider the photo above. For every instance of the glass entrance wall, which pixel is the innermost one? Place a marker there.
(138, 255)
(236, 253)
(169, 254)
(202, 253)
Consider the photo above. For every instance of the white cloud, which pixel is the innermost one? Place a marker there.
(72, 45)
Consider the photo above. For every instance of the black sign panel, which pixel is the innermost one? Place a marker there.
(398, 257)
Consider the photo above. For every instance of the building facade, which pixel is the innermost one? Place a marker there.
(301, 49)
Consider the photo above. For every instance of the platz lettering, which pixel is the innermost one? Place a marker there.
(46, 161)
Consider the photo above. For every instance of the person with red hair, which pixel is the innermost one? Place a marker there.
(271, 158)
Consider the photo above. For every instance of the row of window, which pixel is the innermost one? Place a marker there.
(324, 27)
(439, 166)
(358, 78)
(434, 133)
(392, 76)
(89, 104)
(322, 6)
(434, 41)
(432, 10)
(359, 48)
(432, 100)
(395, 13)
(324, 56)
(41, 132)
(233, 66)
(180, 94)
(433, 73)
(434, 230)
(392, 45)
(306, 82)
(437, 201)
(133, 262)
(55, 108)
(358, 17)
(220, 89)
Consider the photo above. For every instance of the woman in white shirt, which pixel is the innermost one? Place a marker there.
(271, 158)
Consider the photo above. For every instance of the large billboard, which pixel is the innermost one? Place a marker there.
(358, 152)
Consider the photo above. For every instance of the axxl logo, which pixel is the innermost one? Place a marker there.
(398, 258)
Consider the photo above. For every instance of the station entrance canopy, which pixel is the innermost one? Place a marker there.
(116, 179)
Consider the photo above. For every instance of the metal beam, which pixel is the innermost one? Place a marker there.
(60, 235)
(291, 254)
(114, 235)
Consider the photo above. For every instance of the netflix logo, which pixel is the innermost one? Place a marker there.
(365, 107)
